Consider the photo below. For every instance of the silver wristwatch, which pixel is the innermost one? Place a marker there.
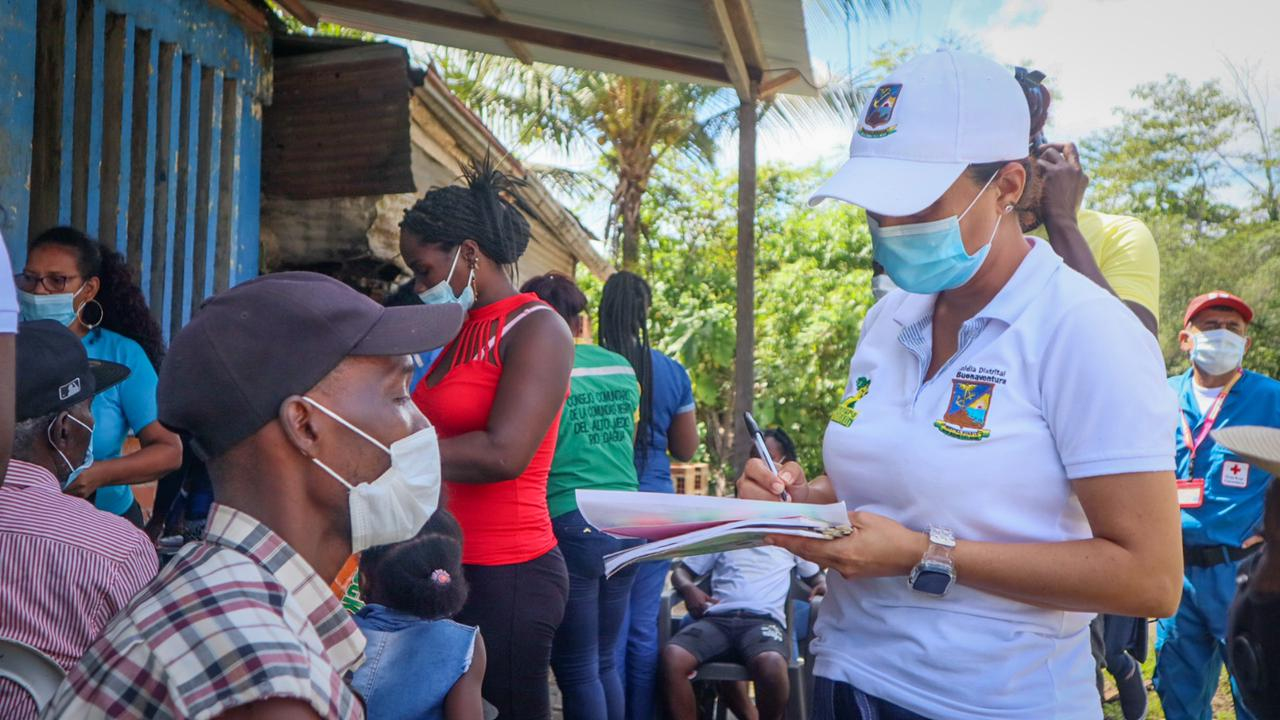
(936, 571)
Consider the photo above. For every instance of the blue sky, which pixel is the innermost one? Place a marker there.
(1094, 53)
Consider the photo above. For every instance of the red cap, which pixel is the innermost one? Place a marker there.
(1218, 298)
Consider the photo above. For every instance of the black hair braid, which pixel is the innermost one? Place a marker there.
(423, 575)
(624, 329)
(479, 210)
(124, 308)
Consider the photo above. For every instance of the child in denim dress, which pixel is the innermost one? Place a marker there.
(419, 664)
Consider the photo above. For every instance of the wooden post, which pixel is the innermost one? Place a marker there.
(744, 349)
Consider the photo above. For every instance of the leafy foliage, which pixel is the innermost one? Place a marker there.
(812, 291)
(1171, 161)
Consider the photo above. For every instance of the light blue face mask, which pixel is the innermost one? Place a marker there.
(60, 307)
(442, 292)
(85, 464)
(930, 257)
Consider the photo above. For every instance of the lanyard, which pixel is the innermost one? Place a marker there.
(1210, 418)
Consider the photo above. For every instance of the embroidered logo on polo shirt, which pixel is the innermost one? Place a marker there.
(880, 111)
(966, 415)
(1235, 474)
(844, 414)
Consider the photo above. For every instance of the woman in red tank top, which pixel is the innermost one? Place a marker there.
(495, 396)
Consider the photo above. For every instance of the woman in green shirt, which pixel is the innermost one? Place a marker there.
(595, 449)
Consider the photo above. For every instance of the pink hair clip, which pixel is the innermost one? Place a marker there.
(440, 576)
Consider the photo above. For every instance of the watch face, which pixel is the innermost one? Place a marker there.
(932, 582)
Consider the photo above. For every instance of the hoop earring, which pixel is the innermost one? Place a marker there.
(102, 314)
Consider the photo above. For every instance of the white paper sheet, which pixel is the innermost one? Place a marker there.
(654, 516)
(684, 525)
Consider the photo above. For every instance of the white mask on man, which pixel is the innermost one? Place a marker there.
(1217, 351)
(395, 506)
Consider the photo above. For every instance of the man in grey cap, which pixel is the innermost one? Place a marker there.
(1253, 632)
(294, 389)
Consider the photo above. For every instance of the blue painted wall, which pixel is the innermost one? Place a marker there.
(17, 115)
(209, 37)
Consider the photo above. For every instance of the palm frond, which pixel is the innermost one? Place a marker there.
(842, 11)
(575, 184)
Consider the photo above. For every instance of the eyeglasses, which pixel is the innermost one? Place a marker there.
(27, 282)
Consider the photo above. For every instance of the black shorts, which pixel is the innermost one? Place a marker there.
(733, 637)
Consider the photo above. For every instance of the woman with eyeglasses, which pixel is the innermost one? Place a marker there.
(72, 278)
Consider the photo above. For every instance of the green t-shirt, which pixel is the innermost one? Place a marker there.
(595, 448)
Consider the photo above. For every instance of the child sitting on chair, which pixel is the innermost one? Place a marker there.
(742, 620)
(418, 663)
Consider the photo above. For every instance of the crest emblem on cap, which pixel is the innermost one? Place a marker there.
(69, 390)
(876, 122)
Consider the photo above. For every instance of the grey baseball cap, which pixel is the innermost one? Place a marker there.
(249, 348)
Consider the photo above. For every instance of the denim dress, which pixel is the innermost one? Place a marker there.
(410, 664)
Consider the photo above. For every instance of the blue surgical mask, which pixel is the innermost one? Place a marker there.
(442, 292)
(85, 464)
(60, 307)
(929, 257)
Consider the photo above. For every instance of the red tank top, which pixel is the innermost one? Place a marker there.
(502, 522)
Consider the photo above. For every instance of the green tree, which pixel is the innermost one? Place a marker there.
(1167, 155)
(813, 289)
(1172, 161)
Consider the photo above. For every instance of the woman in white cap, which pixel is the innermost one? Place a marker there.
(1003, 436)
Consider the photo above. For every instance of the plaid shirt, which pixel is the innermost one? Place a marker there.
(235, 619)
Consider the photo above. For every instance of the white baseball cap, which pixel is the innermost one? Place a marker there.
(930, 119)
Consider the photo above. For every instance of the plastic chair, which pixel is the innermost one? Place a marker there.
(799, 671)
(33, 671)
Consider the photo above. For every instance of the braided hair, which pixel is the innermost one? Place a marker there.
(421, 576)
(624, 329)
(124, 309)
(483, 209)
(1038, 101)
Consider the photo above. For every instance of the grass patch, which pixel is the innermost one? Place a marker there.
(1223, 706)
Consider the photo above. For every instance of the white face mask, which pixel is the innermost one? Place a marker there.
(395, 506)
(1217, 351)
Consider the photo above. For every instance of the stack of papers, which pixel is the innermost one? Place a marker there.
(683, 525)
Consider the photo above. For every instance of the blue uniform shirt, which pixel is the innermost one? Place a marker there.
(127, 407)
(672, 396)
(1232, 508)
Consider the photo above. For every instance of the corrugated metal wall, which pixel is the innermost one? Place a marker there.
(338, 124)
(145, 130)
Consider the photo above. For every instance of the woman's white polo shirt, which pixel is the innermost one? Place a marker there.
(1055, 380)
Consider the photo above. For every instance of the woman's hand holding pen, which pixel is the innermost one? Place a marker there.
(759, 483)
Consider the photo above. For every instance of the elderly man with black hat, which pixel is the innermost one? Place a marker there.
(294, 389)
(68, 566)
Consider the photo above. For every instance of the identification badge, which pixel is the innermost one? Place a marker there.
(1235, 474)
(1191, 493)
